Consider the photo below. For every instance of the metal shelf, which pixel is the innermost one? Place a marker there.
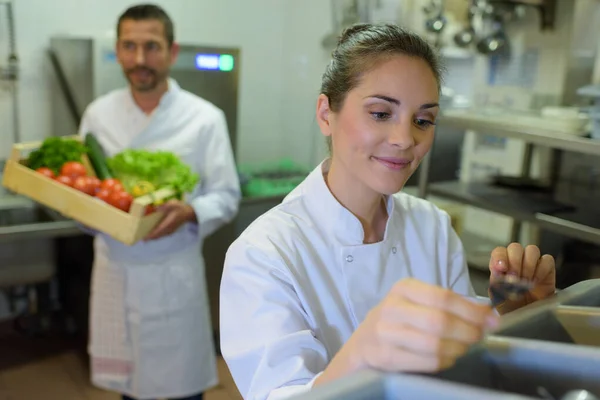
(491, 124)
(538, 208)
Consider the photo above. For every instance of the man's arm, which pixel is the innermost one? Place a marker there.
(218, 200)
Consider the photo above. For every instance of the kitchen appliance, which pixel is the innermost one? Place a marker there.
(87, 67)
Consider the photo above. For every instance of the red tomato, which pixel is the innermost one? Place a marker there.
(111, 184)
(73, 169)
(120, 200)
(65, 180)
(47, 172)
(103, 194)
(82, 183)
(94, 184)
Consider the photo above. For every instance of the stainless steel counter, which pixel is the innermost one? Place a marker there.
(21, 218)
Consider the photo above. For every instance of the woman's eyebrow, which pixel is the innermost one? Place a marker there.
(385, 98)
(397, 102)
(429, 105)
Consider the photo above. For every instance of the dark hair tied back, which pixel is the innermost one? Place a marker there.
(361, 47)
(349, 32)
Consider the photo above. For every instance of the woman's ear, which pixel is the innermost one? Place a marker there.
(323, 115)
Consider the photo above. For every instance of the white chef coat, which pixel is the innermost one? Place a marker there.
(156, 290)
(299, 281)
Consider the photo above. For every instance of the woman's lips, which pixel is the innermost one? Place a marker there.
(393, 163)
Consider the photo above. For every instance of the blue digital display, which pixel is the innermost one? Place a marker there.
(215, 62)
(207, 61)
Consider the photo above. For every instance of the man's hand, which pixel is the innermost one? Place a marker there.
(177, 213)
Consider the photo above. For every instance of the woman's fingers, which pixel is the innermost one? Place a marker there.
(421, 328)
(440, 323)
(423, 343)
(398, 359)
(436, 298)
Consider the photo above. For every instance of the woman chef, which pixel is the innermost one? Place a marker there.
(347, 273)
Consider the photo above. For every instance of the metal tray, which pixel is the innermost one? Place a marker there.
(570, 317)
(542, 351)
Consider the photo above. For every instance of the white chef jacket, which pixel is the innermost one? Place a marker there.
(299, 281)
(149, 305)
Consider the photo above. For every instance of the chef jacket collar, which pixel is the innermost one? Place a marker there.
(337, 219)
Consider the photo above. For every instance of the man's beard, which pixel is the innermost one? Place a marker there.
(149, 84)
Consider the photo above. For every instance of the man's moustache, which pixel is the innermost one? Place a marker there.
(142, 70)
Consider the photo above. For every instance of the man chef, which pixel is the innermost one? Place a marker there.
(151, 333)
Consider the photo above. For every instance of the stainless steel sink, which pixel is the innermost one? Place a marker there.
(22, 218)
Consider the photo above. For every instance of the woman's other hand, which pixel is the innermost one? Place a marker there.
(526, 263)
(417, 328)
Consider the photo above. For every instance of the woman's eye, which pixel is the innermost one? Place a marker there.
(380, 116)
(423, 123)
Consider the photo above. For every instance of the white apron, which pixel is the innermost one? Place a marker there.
(164, 346)
(151, 334)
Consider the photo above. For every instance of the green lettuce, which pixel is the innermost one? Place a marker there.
(161, 168)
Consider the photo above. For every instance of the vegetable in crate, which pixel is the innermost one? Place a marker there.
(47, 172)
(55, 152)
(97, 157)
(140, 170)
(73, 169)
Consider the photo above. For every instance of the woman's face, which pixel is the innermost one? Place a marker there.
(385, 126)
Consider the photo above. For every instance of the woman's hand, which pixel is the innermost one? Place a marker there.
(416, 328)
(526, 263)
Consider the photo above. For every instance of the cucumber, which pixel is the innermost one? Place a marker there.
(97, 157)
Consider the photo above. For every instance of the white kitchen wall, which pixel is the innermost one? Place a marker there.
(307, 22)
(256, 26)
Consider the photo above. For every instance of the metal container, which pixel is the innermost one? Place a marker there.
(548, 350)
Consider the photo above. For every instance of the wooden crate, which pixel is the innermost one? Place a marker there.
(127, 228)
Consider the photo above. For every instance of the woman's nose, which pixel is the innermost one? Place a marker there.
(402, 135)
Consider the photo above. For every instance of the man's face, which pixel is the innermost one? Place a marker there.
(144, 53)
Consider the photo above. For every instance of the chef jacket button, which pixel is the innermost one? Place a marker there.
(349, 259)
(394, 250)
